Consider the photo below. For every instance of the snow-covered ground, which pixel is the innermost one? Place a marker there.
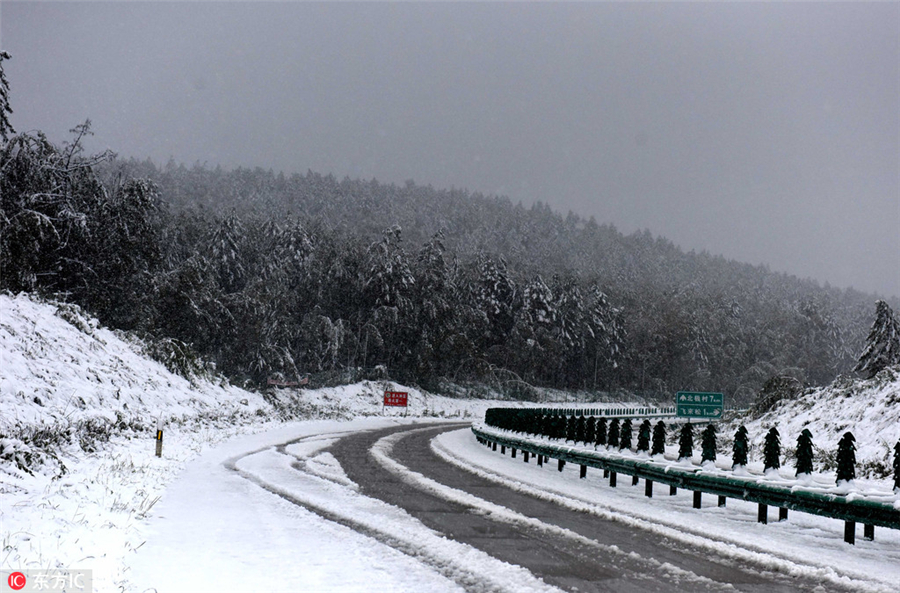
(870, 409)
(80, 486)
(79, 405)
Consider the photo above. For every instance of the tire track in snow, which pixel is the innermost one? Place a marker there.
(284, 474)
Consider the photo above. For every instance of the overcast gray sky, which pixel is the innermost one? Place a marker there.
(766, 132)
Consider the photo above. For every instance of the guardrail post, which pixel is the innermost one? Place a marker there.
(698, 495)
(722, 501)
(513, 456)
(634, 480)
(560, 465)
(869, 532)
(583, 472)
(673, 490)
(605, 472)
(540, 460)
(503, 449)
(525, 455)
(850, 532)
(762, 516)
(495, 445)
(648, 488)
(782, 514)
(612, 479)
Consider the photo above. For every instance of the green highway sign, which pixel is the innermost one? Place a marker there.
(689, 404)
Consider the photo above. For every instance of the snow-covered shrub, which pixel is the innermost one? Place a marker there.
(776, 389)
(178, 358)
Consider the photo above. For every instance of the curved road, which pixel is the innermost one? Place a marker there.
(608, 556)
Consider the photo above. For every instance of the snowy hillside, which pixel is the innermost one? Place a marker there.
(870, 409)
(79, 406)
(66, 380)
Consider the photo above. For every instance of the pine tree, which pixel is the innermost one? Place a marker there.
(531, 335)
(494, 295)
(545, 426)
(579, 429)
(590, 430)
(772, 450)
(613, 436)
(659, 439)
(804, 453)
(571, 426)
(5, 127)
(883, 344)
(605, 335)
(625, 435)
(741, 448)
(897, 467)
(227, 253)
(435, 311)
(561, 425)
(643, 441)
(708, 443)
(846, 458)
(601, 432)
(686, 441)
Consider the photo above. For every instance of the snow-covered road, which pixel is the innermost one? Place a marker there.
(283, 511)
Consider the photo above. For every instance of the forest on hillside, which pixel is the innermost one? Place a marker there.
(268, 275)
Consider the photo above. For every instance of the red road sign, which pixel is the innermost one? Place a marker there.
(395, 398)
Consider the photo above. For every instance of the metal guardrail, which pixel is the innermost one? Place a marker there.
(851, 509)
(622, 412)
(618, 412)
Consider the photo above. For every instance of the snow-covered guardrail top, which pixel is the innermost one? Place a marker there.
(875, 507)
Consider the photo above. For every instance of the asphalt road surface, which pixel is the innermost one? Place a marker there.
(639, 561)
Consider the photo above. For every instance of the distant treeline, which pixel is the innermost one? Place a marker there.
(264, 273)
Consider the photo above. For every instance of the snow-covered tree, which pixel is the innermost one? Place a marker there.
(227, 255)
(804, 453)
(772, 450)
(643, 440)
(708, 443)
(659, 439)
(387, 286)
(601, 432)
(530, 338)
(387, 280)
(5, 127)
(605, 337)
(590, 430)
(572, 429)
(494, 293)
(883, 344)
(434, 300)
(846, 458)
(537, 310)
(686, 441)
(741, 447)
(579, 429)
(612, 438)
(625, 434)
